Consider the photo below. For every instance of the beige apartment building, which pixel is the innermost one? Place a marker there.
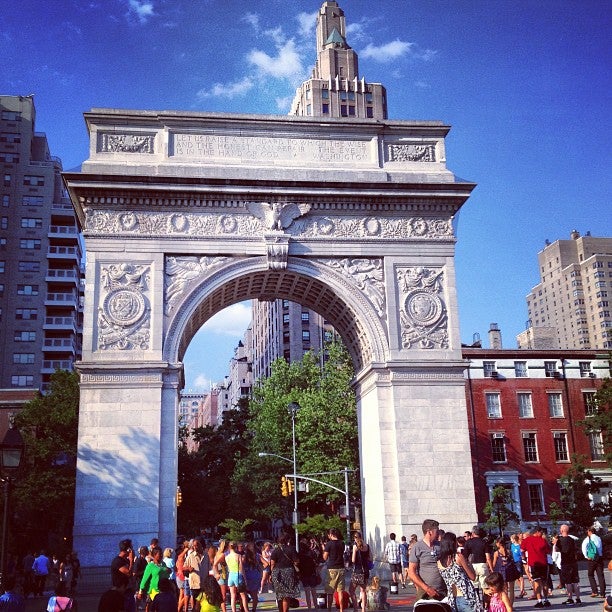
(40, 255)
(570, 307)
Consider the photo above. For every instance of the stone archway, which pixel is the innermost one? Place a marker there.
(186, 213)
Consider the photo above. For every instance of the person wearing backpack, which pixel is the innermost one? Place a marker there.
(593, 553)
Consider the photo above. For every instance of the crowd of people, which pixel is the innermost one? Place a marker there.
(202, 577)
(472, 573)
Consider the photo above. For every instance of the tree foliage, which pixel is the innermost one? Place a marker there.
(43, 500)
(205, 475)
(325, 431)
(318, 526)
(579, 484)
(498, 509)
(601, 420)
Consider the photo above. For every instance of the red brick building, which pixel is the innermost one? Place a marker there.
(523, 409)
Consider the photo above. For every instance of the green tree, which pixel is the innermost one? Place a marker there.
(601, 420)
(205, 475)
(498, 509)
(326, 433)
(237, 531)
(578, 485)
(319, 525)
(44, 492)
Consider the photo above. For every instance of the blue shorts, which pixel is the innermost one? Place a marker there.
(233, 579)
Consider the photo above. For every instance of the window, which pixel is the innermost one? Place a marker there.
(493, 405)
(23, 357)
(530, 447)
(520, 369)
(325, 108)
(10, 137)
(9, 158)
(343, 111)
(33, 180)
(286, 318)
(27, 289)
(305, 335)
(22, 381)
(26, 313)
(536, 497)
(31, 222)
(28, 200)
(285, 303)
(7, 180)
(596, 445)
(555, 405)
(6, 200)
(590, 405)
(343, 95)
(11, 115)
(550, 368)
(560, 440)
(498, 448)
(305, 317)
(25, 336)
(286, 336)
(29, 266)
(488, 367)
(2, 265)
(369, 112)
(30, 244)
(4, 223)
(325, 94)
(309, 109)
(525, 405)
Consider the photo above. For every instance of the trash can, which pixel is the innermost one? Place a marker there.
(321, 601)
(393, 589)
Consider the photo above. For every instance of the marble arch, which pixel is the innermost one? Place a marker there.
(184, 214)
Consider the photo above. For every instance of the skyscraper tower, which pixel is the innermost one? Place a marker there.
(335, 89)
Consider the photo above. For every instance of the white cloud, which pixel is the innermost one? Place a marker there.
(231, 321)
(141, 9)
(388, 52)
(287, 63)
(228, 90)
(422, 84)
(252, 19)
(307, 24)
(284, 104)
(277, 35)
(202, 383)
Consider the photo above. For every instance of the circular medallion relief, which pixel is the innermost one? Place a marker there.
(424, 308)
(371, 226)
(228, 224)
(325, 226)
(124, 306)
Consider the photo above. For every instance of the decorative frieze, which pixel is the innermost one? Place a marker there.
(367, 275)
(211, 225)
(182, 273)
(125, 143)
(423, 314)
(124, 316)
(411, 152)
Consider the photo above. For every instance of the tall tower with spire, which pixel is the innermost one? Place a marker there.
(335, 89)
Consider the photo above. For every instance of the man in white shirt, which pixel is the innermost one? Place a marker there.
(393, 557)
(593, 553)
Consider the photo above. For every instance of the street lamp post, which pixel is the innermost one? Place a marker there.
(293, 410)
(11, 452)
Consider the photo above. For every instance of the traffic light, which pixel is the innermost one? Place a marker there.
(285, 486)
(179, 496)
(289, 486)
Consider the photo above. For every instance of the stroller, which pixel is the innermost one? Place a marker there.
(431, 605)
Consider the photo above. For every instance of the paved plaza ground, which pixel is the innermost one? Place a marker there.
(402, 602)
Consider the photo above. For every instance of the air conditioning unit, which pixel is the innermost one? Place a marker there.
(592, 375)
(498, 435)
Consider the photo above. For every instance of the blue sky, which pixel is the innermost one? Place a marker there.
(525, 84)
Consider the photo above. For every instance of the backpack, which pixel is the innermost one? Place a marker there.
(591, 550)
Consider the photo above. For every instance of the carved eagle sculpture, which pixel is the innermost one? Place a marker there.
(277, 216)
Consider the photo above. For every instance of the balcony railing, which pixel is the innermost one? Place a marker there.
(60, 323)
(50, 365)
(64, 344)
(63, 251)
(69, 298)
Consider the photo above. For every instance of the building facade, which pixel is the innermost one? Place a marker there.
(570, 306)
(40, 255)
(335, 88)
(524, 407)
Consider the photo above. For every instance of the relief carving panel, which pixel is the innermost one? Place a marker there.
(367, 275)
(182, 273)
(405, 152)
(125, 143)
(124, 318)
(423, 313)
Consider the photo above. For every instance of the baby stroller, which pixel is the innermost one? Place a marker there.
(431, 605)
